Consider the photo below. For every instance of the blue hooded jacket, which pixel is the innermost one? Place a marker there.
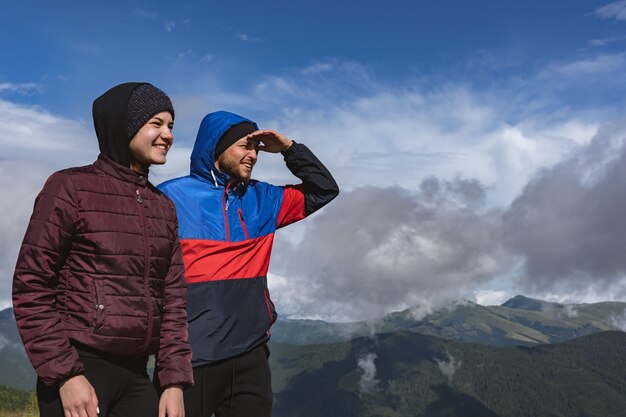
(227, 232)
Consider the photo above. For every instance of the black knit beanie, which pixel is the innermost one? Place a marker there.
(232, 135)
(146, 101)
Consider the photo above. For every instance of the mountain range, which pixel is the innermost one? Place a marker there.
(519, 321)
(525, 357)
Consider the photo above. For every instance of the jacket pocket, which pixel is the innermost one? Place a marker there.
(100, 306)
(243, 224)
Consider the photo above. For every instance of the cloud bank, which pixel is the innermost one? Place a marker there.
(448, 191)
(385, 249)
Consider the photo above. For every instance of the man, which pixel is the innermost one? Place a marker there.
(226, 226)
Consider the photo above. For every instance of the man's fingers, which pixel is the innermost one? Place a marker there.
(263, 135)
(270, 140)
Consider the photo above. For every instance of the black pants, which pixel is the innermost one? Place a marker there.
(236, 387)
(122, 386)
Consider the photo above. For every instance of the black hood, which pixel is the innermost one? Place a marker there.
(110, 119)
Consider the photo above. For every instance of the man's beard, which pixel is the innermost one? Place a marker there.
(231, 168)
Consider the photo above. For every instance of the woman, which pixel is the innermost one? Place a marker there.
(99, 281)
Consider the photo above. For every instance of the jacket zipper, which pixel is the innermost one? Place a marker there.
(145, 271)
(243, 224)
(225, 206)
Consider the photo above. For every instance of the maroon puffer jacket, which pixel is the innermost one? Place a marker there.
(101, 265)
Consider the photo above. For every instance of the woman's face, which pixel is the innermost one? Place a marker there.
(150, 145)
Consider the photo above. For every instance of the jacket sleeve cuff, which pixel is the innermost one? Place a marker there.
(52, 378)
(168, 379)
(290, 150)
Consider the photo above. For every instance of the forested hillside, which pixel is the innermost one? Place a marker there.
(407, 374)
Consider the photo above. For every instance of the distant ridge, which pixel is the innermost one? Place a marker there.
(518, 321)
(531, 304)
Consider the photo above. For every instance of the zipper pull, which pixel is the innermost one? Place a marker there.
(139, 199)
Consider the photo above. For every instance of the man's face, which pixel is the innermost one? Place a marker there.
(238, 159)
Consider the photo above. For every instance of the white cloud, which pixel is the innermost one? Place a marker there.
(389, 248)
(567, 223)
(368, 383)
(147, 14)
(318, 67)
(185, 54)
(247, 38)
(169, 25)
(566, 292)
(177, 165)
(33, 134)
(449, 367)
(601, 42)
(36, 143)
(438, 244)
(597, 65)
(615, 10)
(490, 297)
(400, 138)
(570, 311)
(373, 134)
(18, 88)
(605, 41)
(619, 321)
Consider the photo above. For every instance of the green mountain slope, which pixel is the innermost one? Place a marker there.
(519, 321)
(15, 369)
(408, 374)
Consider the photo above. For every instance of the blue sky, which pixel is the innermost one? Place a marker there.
(490, 123)
(73, 50)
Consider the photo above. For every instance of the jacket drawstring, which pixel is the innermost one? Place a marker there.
(214, 179)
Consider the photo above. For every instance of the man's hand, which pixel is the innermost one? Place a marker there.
(171, 402)
(78, 397)
(271, 141)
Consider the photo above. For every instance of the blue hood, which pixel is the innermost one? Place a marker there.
(212, 128)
